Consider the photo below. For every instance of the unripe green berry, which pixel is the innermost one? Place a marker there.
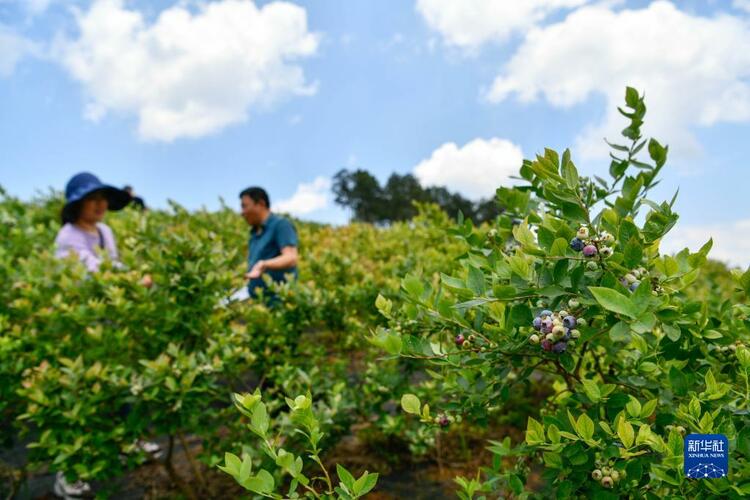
(615, 475)
(596, 475)
(575, 334)
(550, 337)
(534, 339)
(606, 471)
(582, 322)
(573, 303)
(681, 430)
(563, 313)
(592, 266)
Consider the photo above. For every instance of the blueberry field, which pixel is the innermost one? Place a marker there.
(554, 352)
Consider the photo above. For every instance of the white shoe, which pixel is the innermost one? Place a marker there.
(69, 491)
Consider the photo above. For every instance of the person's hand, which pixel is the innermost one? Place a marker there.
(256, 271)
(147, 281)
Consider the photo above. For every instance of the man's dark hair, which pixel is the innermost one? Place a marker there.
(257, 194)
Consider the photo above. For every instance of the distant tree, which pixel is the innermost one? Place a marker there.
(361, 192)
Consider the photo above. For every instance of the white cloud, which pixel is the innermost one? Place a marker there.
(13, 48)
(694, 70)
(743, 5)
(467, 24)
(189, 73)
(308, 198)
(475, 170)
(731, 240)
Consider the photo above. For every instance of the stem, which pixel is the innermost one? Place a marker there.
(194, 466)
(173, 476)
(325, 471)
(439, 453)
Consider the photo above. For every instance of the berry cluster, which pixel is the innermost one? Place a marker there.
(443, 420)
(728, 350)
(633, 278)
(607, 475)
(558, 329)
(592, 245)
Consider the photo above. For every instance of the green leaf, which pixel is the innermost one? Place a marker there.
(365, 483)
(614, 301)
(592, 390)
(633, 407)
(259, 420)
(585, 426)
(475, 281)
(633, 253)
(524, 236)
(413, 286)
(626, 433)
(620, 332)
(648, 408)
(410, 403)
(345, 477)
(262, 483)
(559, 248)
(534, 432)
(678, 381)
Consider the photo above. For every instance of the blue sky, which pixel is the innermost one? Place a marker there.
(453, 91)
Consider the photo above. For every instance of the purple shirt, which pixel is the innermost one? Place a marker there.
(72, 238)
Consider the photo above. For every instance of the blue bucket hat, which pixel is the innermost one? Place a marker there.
(83, 184)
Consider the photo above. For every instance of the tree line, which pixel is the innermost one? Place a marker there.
(361, 192)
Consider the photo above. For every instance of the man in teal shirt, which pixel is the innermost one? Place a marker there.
(273, 241)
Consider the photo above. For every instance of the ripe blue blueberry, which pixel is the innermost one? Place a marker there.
(544, 313)
(569, 321)
(634, 286)
(559, 347)
(537, 323)
(576, 244)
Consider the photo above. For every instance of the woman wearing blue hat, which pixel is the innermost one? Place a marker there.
(83, 232)
(85, 235)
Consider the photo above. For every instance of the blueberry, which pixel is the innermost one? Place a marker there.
(534, 339)
(567, 334)
(606, 252)
(607, 482)
(516, 222)
(576, 244)
(546, 345)
(573, 303)
(537, 323)
(592, 266)
(615, 475)
(558, 331)
(589, 251)
(544, 313)
(459, 340)
(443, 421)
(559, 347)
(633, 286)
(630, 278)
(569, 321)
(596, 475)
(575, 333)
(583, 233)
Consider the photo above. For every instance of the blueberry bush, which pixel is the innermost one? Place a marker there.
(568, 290)
(556, 344)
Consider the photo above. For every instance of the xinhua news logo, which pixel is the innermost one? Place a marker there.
(706, 456)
